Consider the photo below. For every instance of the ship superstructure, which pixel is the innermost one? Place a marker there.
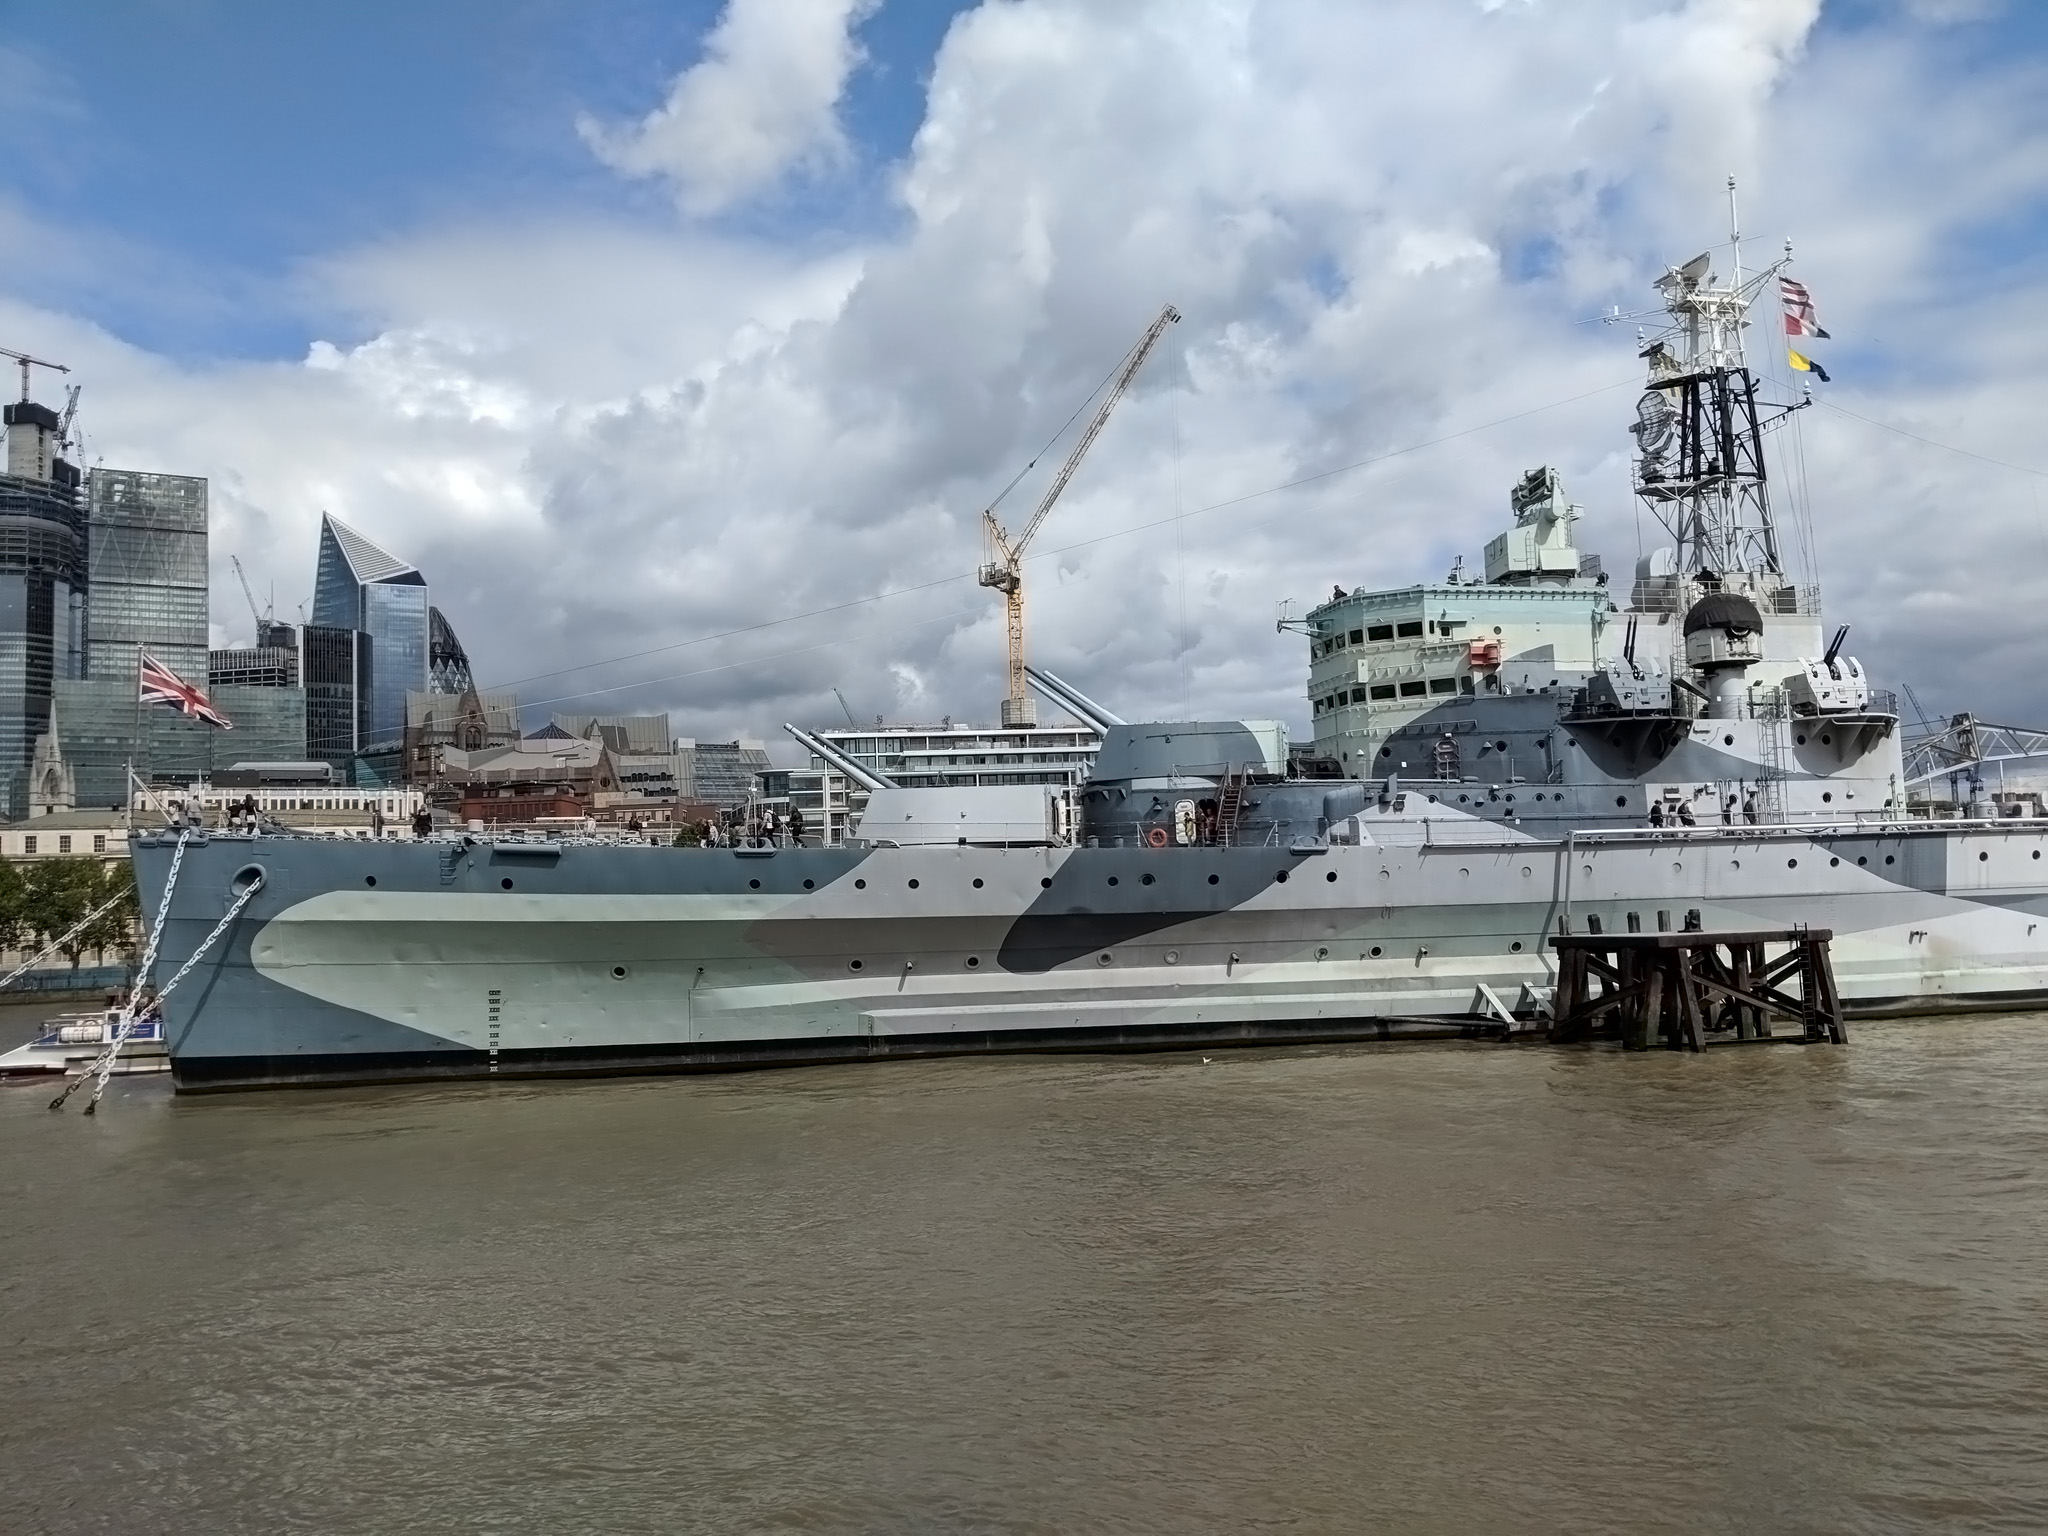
(1495, 761)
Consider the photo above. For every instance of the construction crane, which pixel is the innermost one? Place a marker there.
(848, 708)
(1004, 570)
(260, 615)
(27, 363)
(64, 438)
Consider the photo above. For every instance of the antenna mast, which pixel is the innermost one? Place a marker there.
(1700, 459)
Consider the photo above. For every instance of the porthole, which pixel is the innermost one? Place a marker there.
(1212, 879)
(1112, 879)
(1331, 876)
(1863, 861)
(1983, 857)
(860, 885)
(753, 885)
(1833, 862)
(1827, 741)
(810, 885)
(1621, 799)
(1888, 858)
(1791, 863)
(1281, 877)
(369, 879)
(2037, 853)
(1322, 954)
(1500, 746)
(1173, 957)
(977, 882)
(1103, 958)
(1727, 741)
(1515, 948)
(913, 885)
(1527, 871)
(1801, 740)
(1145, 879)
(1462, 799)
(853, 965)
(1826, 795)
(1511, 799)
(1375, 951)
(506, 882)
(1045, 884)
(973, 962)
(618, 973)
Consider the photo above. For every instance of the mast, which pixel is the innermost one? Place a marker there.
(1700, 461)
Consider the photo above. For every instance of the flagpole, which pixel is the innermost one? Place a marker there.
(135, 739)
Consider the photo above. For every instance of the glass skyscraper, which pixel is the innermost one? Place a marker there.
(42, 587)
(362, 588)
(147, 590)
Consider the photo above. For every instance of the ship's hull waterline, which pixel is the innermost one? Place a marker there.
(378, 962)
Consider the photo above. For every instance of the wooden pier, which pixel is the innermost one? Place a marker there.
(1689, 989)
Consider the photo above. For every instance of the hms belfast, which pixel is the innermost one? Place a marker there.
(1495, 761)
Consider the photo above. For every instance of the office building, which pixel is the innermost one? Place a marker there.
(42, 587)
(383, 601)
(334, 661)
(921, 756)
(146, 590)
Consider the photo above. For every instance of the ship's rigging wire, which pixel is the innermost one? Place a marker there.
(1968, 453)
(1040, 554)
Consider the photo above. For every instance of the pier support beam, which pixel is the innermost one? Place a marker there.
(1691, 989)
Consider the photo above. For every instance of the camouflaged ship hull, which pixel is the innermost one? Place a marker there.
(362, 962)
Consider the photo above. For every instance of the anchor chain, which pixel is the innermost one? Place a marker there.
(103, 1065)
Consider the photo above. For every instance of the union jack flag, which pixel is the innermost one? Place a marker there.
(160, 685)
(1798, 302)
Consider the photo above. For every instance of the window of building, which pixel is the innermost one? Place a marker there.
(99, 842)
(64, 842)
(28, 845)
(1443, 685)
(1414, 690)
(1383, 690)
(1408, 627)
(1380, 632)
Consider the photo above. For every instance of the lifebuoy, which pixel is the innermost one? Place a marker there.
(1156, 838)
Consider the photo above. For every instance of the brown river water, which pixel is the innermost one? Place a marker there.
(1382, 1288)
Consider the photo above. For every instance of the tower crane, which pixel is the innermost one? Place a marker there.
(71, 394)
(1004, 570)
(261, 616)
(27, 363)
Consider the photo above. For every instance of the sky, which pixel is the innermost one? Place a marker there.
(681, 344)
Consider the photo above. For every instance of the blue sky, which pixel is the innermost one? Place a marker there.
(616, 388)
(211, 146)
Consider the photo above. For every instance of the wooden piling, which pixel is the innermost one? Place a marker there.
(1679, 990)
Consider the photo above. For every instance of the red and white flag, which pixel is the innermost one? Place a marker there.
(160, 685)
(1798, 303)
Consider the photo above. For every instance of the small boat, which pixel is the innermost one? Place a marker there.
(71, 1042)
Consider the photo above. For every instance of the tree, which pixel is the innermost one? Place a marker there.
(114, 928)
(13, 906)
(59, 893)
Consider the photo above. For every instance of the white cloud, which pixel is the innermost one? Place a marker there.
(1382, 224)
(763, 100)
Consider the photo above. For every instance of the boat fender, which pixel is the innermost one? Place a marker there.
(1156, 838)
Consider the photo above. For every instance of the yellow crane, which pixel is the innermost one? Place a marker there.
(1004, 569)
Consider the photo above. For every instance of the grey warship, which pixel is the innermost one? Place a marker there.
(1495, 760)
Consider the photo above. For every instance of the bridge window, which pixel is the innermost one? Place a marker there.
(1414, 690)
(1357, 635)
(1408, 628)
(1443, 685)
(1379, 632)
(1383, 690)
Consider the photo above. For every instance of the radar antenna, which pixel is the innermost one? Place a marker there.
(1699, 436)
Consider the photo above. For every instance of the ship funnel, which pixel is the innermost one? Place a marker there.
(1072, 700)
(864, 776)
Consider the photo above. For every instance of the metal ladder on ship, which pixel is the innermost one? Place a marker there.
(1229, 805)
(1769, 714)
